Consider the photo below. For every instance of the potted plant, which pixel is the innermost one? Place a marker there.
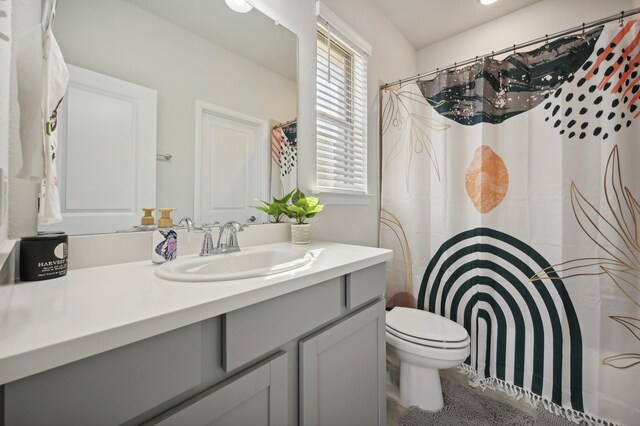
(277, 209)
(301, 209)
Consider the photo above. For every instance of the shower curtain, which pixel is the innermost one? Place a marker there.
(284, 158)
(510, 196)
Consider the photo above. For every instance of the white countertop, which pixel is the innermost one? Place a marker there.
(46, 324)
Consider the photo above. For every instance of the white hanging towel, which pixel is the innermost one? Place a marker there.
(30, 72)
(42, 83)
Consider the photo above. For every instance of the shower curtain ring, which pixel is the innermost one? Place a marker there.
(546, 40)
(514, 49)
(583, 33)
(621, 19)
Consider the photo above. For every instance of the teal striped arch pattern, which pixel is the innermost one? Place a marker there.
(525, 332)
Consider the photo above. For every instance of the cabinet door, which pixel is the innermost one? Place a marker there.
(256, 396)
(342, 372)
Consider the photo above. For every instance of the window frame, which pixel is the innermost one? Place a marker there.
(349, 110)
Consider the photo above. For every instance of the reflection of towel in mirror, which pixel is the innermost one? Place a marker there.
(42, 83)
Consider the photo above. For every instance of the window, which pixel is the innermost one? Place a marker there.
(341, 89)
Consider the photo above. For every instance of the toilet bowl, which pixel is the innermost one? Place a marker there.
(419, 343)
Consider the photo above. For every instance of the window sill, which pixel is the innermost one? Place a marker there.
(342, 198)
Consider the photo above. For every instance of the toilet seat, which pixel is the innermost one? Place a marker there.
(426, 329)
(428, 354)
(428, 342)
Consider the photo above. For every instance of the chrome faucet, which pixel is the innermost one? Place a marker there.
(228, 239)
(188, 223)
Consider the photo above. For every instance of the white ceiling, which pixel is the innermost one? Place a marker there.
(256, 37)
(251, 35)
(424, 22)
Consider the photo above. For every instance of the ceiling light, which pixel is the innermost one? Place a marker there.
(484, 2)
(240, 6)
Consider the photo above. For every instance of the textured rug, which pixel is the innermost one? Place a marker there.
(465, 407)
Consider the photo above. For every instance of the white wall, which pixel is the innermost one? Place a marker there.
(544, 17)
(22, 194)
(392, 56)
(182, 67)
(5, 84)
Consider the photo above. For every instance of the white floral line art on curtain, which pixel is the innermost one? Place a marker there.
(625, 360)
(619, 228)
(403, 298)
(413, 131)
(397, 114)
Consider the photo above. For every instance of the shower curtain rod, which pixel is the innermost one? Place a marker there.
(620, 16)
(286, 123)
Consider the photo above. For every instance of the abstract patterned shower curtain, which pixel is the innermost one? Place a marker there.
(510, 196)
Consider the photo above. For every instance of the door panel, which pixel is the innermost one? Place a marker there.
(231, 155)
(107, 153)
(342, 372)
(256, 396)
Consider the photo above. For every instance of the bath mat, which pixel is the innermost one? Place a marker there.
(465, 407)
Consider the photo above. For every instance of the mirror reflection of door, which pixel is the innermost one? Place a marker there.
(107, 155)
(231, 155)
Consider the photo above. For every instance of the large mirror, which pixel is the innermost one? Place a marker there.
(172, 103)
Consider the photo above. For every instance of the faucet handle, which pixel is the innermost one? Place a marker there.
(250, 221)
(208, 247)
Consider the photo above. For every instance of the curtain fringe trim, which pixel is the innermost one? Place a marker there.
(529, 397)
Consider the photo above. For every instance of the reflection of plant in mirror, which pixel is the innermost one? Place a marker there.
(303, 207)
(277, 208)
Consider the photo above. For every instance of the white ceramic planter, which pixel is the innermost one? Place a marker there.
(301, 234)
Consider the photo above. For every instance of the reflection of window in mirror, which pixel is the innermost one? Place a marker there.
(189, 53)
(341, 153)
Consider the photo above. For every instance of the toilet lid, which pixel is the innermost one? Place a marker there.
(422, 325)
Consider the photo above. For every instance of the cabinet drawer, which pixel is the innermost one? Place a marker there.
(365, 285)
(256, 396)
(255, 330)
(112, 387)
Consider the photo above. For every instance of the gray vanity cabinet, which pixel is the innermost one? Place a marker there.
(342, 370)
(313, 356)
(256, 397)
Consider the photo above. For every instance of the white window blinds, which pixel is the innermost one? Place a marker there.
(341, 152)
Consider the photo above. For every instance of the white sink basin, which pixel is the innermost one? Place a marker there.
(248, 263)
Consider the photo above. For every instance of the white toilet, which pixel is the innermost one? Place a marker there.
(419, 343)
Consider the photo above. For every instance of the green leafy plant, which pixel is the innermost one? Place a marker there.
(277, 208)
(303, 207)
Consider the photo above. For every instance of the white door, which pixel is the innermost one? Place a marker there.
(231, 165)
(106, 154)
